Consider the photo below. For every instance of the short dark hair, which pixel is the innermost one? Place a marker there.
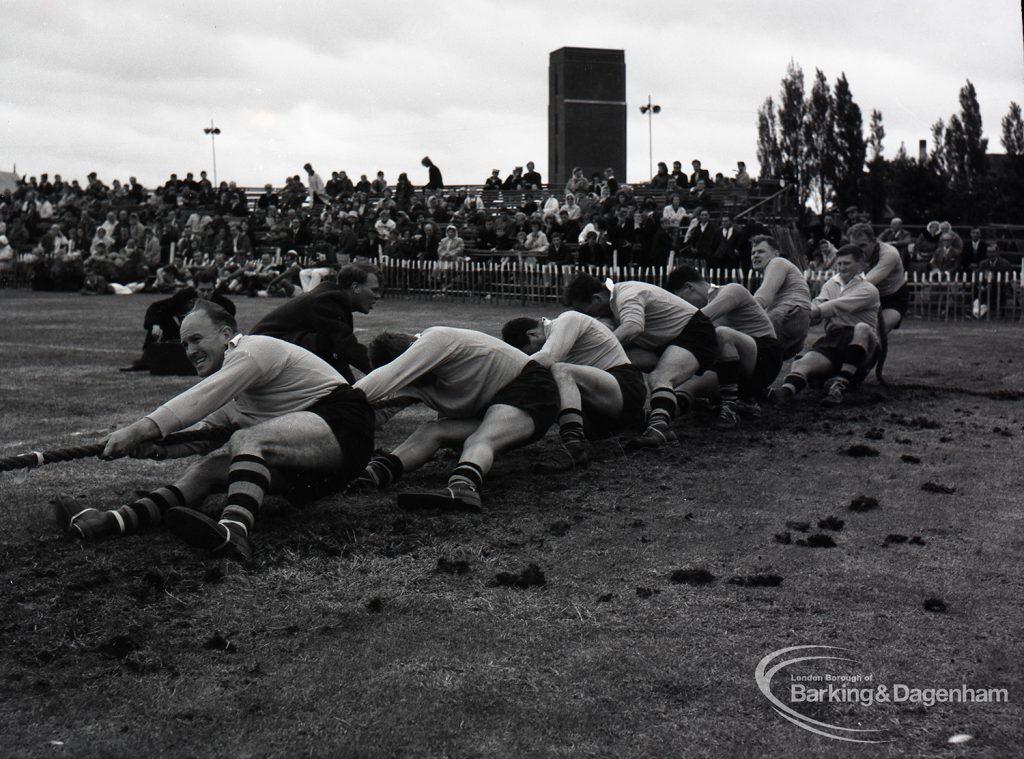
(581, 287)
(352, 274)
(514, 331)
(768, 240)
(220, 316)
(205, 276)
(861, 229)
(682, 275)
(387, 346)
(852, 250)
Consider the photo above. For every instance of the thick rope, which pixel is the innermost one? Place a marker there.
(38, 458)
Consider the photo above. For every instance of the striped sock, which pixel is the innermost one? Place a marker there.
(796, 382)
(384, 470)
(248, 482)
(570, 425)
(854, 357)
(728, 380)
(467, 473)
(684, 402)
(663, 407)
(147, 511)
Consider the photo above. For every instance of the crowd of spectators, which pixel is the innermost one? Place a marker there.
(127, 238)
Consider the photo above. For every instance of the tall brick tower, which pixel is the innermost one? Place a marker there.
(586, 112)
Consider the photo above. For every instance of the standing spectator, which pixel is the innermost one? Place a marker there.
(493, 182)
(699, 173)
(531, 179)
(742, 180)
(975, 250)
(678, 177)
(434, 179)
(404, 192)
(702, 237)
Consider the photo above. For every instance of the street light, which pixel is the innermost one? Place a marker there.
(213, 132)
(650, 109)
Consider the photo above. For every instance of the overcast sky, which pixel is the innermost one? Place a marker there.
(125, 88)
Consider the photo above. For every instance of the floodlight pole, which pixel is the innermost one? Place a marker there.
(650, 109)
(213, 132)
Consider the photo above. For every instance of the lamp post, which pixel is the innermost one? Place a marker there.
(213, 132)
(650, 109)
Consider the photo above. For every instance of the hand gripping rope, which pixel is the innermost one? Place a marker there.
(38, 458)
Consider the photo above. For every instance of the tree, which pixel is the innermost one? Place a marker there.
(768, 152)
(877, 135)
(819, 140)
(790, 130)
(1013, 131)
(975, 147)
(850, 145)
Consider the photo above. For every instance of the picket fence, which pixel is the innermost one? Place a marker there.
(933, 297)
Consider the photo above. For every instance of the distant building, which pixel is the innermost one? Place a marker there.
(586, 112)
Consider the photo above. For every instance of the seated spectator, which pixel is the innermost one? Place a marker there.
(742, 180)
(674, 214)
(924, 248)
(660, 181)
(899, 238)
(578, 183)
(162, 352)
(532, 179)
(514, 182)
(946, 258)
(678, 180)
(989, 295)
(975, 251)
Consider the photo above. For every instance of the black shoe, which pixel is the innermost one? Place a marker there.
(462, 498)
(87, 523)
(834, 389)
(198, 530)
(134, 366)
(575, 456)
(362, 485)
(653, 437)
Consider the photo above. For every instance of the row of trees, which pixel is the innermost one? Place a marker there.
(817, 141)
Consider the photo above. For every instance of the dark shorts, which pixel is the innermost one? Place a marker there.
(535, 392)
(634, 397)
(767, 368)
(898, 301)
(698, 337)
(833, 346)
(351, 420)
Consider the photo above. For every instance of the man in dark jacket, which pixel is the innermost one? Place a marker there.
(161, 351)
(321, 321)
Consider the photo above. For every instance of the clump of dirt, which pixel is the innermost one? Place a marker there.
(784, 538)
(219, 642)
(895, 538)
(875, 433)
(798, 526)
(214, 574)
(916, 423)
(646, 592)
(605, 598)
(818, 540)
(859, 450)
(531, 577)
(910, 459)
(831, 523)
(756, 581)
(452, 566)
(936, 605)
(559, 528)
(1003, 431)
(695, 576)
(917, 540)
(936, 487)
(119, 646)
(375, 605)
(864, 503)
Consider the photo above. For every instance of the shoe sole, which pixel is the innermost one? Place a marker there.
(436, 502)
(199, 531)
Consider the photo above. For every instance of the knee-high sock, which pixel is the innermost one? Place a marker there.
(467, 473)
(795, 382)
(570, 425)
(663, 407)
(854, 358)
(147, 511)
(248, 483)
(728, 380)
(384, 470)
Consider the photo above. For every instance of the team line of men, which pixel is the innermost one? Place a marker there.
(297, 427)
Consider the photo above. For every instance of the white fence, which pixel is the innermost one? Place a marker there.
(941, 297)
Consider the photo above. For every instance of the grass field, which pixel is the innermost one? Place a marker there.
(360, 630)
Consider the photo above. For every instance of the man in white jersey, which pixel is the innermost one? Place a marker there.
(783, 294)
(749, 355)
(489, 397)
(600, 392)
(651, 319)
(848, 308)
(288, 415)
